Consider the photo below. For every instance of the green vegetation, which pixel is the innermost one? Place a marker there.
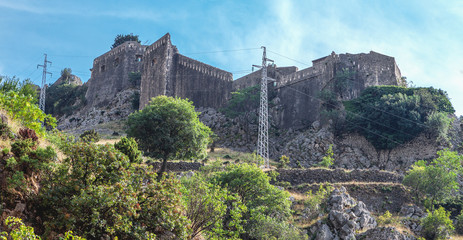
(64, 98)
(168, 128)
(389, 116)
(437, 181)
(90, 136)
(26, 87)
(121, 38)
(24, 109)
(328, 160)
(437, 225)
(242, 101)
(129, 147)
(316, 202)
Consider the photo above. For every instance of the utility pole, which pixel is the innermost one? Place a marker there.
(262, 142)
(44, 80)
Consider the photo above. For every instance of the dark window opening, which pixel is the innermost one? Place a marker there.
(102, 68)
(153, 61)
(138, 58)
(116, 62)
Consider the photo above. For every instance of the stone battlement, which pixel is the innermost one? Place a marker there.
(204, 68)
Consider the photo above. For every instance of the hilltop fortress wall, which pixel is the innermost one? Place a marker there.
(110, 73)
(298, 104)
(163, 72)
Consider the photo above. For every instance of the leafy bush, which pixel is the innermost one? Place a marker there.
(22, 108)
(386, 218)
(327, 160)
(121, 38)
(284, 161)
(436, 181)
(135, 100)
(19, 230)
(63, 99)
(90, 136)
(265, 227)
(437, 224)
(249, 181)
(96, 193)
(212, 210)
(388, 115)
(129, 147)
(135, 78)
(316, 202)
(26, 87)
(459, 223)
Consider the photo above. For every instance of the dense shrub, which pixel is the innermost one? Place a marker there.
(388, 115)
(63, 99)
(213, 211)
(260, 197)
(96, 193)
(22, 108)
(437, 224)
(28, 165)
(437, 181)
(90, 136)
(129, 147)
(328, 160)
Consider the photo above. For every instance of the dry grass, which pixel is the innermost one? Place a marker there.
(108, 141)
(457, 237)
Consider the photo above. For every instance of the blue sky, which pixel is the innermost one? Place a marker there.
(425, 37)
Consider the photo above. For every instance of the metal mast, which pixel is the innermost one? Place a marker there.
(262, 143)
(44, 80)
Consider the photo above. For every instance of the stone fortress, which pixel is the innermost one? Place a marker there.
(164, 71)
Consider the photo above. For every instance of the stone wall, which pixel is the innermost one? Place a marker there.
(166, 72)
(110, 73)
(203, 84)
(320, 175)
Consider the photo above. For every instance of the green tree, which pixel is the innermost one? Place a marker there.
(26, 87)
(66, 75)
(389, 115)
(438, 180)
(267, 203)
(121, 38)
(328, 160)
(169, 128)
(212, 209)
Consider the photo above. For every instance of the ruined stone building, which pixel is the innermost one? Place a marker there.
(297, 103)
(164, 71)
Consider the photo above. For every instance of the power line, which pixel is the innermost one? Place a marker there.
(378, 109)
(221, 51)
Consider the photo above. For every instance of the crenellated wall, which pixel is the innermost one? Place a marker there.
(298, 104)
(166, 72)
(205, 85)
(110, 73)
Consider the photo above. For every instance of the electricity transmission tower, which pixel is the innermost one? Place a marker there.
(262, 142)
(44, 80)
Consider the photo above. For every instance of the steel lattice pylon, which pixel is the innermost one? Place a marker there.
(44, 81)
(262, 142)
